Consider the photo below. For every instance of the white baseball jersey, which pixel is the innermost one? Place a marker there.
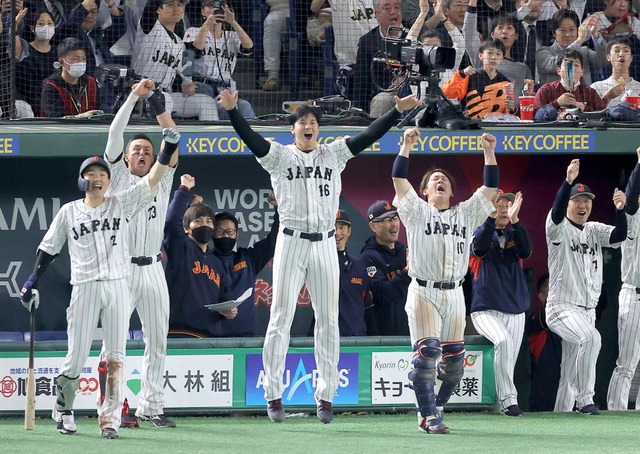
(307, 185)
(219, 56)
(439, 241)
(157, 54)
(351, 19)
(575, 261)
(97, 239)
(632, 88)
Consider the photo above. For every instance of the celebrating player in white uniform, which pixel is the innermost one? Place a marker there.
(147, 283)
(306, 181)
(158, 55)
(98, 245)
(439, 238)
(628, 305)
(575, 280)
(351, 19)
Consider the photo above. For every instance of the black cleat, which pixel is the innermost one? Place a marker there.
(109, 433)
(275, 410)
(160, 421)
(512, 410)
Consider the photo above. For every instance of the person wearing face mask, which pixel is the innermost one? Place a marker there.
(241, 266)
(69, 92)
(33, 70)
(195, 276)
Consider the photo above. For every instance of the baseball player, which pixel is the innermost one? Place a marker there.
(99, 250)
(158, 55)
(628, 306)
(575, 279)
(147, 283)
(500, 291)
(305, 178)
(439, 238)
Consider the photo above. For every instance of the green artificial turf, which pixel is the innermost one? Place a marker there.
(609, 432)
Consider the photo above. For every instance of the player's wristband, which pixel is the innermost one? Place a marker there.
(186, 188)
(491, 176)
(167, 151)
(156, 103)
(400, 167)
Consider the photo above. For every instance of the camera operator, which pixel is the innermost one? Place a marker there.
(216, 53)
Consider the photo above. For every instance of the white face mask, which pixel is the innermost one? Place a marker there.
(45, 32)
(76, 69)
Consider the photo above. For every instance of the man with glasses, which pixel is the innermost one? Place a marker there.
(241, 266)
(386, 261)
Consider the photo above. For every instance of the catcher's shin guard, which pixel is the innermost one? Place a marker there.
(450, 370)
(423, 374)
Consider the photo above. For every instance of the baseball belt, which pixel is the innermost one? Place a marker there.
(309, 236)
(144, 261)
(442, 285)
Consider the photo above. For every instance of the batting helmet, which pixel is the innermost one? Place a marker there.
(83, 184)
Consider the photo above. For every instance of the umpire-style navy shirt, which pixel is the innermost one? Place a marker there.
(241, 268)
(389, 285)
(499, 282)
(195, 278)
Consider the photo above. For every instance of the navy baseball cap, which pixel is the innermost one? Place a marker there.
(94, 161)
(380, 210)
(582, 189)
(343, 216)
(511, 197)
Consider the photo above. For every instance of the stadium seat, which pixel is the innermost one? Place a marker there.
(46, 336)
(330, 63)
(11, 336)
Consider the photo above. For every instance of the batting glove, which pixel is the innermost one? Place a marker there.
(171, 135)
(28, 294)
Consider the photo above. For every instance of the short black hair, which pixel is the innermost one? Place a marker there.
(568, 53)
(69, 45)
(428, 33)
(619, 40)
(504, 19)
(427, 176)
(302, 112)
(561, 15)
(33, 19)
(138, 137)
(225, 216)
(492, 43)
(197, 211)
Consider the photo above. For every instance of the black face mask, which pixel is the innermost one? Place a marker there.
(224, 245)
(202, 234)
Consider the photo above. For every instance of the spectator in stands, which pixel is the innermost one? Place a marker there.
(38, 65)
(537, 33)
(216, 54)
(546, 355)
(385, 259)
(549, 7)
(488, 11)
(69, 92)
(241, 266)
(158, 55)
(367, 97)
(570, 34)
(351, 20)
(195, 276)
(567, 92)
(55, 7)
(506, 29)
(428, 37)
(22, 109)
(620, 83)
(616, 21)
(484, 91)
(274, 26)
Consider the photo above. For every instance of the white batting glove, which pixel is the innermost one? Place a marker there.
(171, 135)
(34, 302)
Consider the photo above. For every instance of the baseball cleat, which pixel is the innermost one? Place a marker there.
(275, 410)
(160, 421)
(109, 433)
(590, 409)
(440, 413)
(433, 426)
(325, 411)
(66, 423)
(512, 410)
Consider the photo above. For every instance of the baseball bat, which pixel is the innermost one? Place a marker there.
(30, 409)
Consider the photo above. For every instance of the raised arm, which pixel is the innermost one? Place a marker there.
(619, 233)
(230, 18)
(165, 157)
(633, 188)
(559, 210)
(414, 32)
(256, 143)
(401, 164)
(524, 246)
(381, 125)
(491, 175)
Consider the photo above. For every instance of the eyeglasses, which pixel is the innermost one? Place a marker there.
(388, 220)
(227, 232)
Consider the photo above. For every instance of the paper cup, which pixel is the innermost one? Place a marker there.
(633, 100)
(526, 107)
